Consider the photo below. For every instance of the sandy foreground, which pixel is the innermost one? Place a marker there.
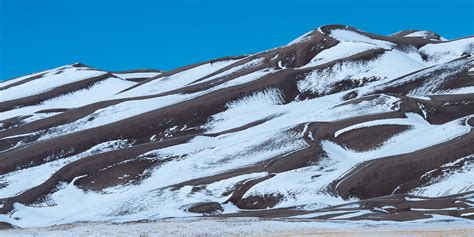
(250, 227)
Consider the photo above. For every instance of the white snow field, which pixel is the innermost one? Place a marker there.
(254, 227)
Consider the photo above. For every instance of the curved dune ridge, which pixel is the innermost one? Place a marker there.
(339, 124)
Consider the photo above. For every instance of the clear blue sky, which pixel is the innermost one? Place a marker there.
(125, 34)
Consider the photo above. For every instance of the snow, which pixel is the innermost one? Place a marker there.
(298, 182)
(351, 36)
(451, 182)
(218, 187)
(299, 187)
(412, 118)
(18, 79)
(222, 153)
(304, 188)
(442, 226)
(424, 34)
(49, 81)
(438, 74)
(440, 209)
(202, 156)
(16, 182)
(251, 64)
(448, 50)
(176, 81)
(410, 141)
(353, 214)
(115, 113)
(306, 36)
(437, 80)
(421, 33)
(131, 108)
(166, 203)
(341, 50)
(320, 81)
(319, 214)
(239, 110)
(100, 91)
(462, 90)
(253, 76)
(280, 65)
(132, 75)
(275, 135)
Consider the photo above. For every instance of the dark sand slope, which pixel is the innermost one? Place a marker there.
(339, 124)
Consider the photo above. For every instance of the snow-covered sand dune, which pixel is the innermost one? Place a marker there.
(339, 125)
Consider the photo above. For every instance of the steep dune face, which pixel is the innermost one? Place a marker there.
(337, 124)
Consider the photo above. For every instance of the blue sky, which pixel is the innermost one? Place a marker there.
(126, 34)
